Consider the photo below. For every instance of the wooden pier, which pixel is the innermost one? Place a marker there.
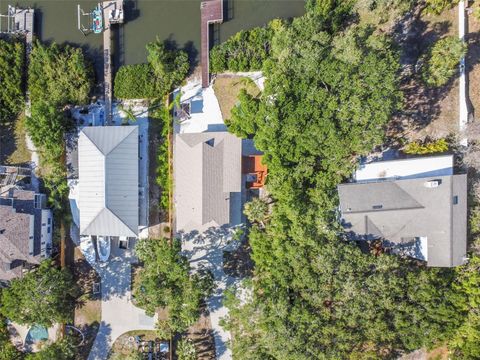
(112, 14)
(211, 13)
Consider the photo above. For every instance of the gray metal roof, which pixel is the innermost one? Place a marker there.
(207, 170)
(402, 211)
(108, 180)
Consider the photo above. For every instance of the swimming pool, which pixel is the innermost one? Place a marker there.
(36, 333)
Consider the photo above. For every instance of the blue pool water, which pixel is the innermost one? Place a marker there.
(36, 333)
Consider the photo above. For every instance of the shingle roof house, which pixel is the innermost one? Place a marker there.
(207, 170)
(422, 216)
(108, 180)
(25, 231)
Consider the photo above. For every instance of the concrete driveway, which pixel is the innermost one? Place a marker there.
(205, 251)
(119, 315)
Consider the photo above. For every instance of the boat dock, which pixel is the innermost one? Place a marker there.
(211, 13)
(112, 14)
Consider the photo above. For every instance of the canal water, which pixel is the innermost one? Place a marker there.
(176, 20)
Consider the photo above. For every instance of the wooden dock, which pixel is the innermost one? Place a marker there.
(112, 14)
(211, 13)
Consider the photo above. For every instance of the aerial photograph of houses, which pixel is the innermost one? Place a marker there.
(239, 180)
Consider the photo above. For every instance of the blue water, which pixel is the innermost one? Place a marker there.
(36, 333)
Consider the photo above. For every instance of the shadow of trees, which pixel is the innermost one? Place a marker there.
(413, 36)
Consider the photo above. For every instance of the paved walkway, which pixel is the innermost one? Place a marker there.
(206, 251)
(119, 315)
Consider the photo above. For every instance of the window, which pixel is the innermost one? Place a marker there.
(49, 221)
(48, 230)
(455, 200)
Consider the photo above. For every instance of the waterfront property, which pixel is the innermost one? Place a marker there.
(26, 226)
(414, 207)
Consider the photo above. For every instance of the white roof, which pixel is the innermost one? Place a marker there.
(406, 168)
(108, 180)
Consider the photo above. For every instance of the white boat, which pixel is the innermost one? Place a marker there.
(103, 247)
(88, 250)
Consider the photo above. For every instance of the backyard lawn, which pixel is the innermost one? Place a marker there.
(227, 88)
(13, 145)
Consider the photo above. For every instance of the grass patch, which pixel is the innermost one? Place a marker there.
(227, 89)
(21, 154)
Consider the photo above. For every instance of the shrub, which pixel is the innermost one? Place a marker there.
(246, 50)
(417, 148)
(135, 82)
(441, 61)
(186, 350)
(59, 75)
(11, 77)
(438, 6)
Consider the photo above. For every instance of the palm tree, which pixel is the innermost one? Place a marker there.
(256, 211)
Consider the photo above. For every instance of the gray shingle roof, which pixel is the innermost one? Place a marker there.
(19, 219)
(402, 210)
(108, 180)
(207, 170)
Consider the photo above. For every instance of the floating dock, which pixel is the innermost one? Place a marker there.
(211, 13)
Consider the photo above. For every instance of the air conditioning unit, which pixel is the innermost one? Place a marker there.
(431, 184)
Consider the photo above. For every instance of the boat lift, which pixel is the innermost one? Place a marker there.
(9, 20)
(81, 14)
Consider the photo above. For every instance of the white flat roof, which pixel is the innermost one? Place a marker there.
(419, 167)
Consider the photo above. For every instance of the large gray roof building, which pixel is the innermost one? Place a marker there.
(207, 169)
(25, 231)
(108, 180)
(424, 217)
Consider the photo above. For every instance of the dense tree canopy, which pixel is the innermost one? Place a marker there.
(59, 75)
(165, 281)
(11, 78)
(134, 82)
(60, 350)
(331, 89)
(166, 68)
(43, 296)
(7, 350)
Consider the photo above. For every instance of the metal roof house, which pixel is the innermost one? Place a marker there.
(108, 181)
(421, 215)
(25, 231)
(208, 180)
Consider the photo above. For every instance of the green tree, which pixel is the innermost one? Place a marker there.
(170, 66)
(11, 75)
(43, 296)
(442, 59)
(331, 89)
(165, 281)
(60, 350)
(46, 128)
(7, 350)
(59, 75)
(186, 350)
(135, 82)
(438, 6)
(465, 342)
(256, 211)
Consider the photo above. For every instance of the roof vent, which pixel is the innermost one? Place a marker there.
(431, 184)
